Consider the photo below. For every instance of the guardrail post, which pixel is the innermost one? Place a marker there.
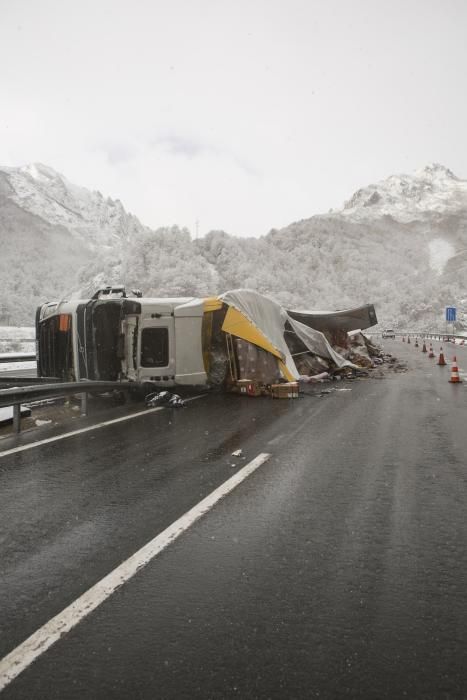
(84, 403)
(17, 417)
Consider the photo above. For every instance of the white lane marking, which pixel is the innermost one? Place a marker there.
(30, 445)
(20, 658)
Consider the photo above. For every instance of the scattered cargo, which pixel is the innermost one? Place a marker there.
(287, 390)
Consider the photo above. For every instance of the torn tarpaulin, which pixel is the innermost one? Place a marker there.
(164, 398)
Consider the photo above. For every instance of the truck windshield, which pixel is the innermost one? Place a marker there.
(155, 347)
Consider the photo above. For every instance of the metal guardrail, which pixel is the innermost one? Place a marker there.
(425, 334)
(15, 396)
(17, 340)
(20, 357)
(9, 380)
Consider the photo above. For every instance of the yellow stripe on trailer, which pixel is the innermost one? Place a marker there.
(237, 324)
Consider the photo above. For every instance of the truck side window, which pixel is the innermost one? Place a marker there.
(155, 347)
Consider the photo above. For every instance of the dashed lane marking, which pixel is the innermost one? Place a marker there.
(23, 656)
(29, 446)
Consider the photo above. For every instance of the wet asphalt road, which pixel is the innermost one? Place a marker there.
(337, 569)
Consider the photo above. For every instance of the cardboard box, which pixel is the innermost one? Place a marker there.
(287, 390)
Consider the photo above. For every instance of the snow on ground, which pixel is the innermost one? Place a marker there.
(10, 337)
(6, 413)
(13, 332)
(440, 251)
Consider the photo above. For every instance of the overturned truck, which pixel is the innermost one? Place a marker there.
(219, 341)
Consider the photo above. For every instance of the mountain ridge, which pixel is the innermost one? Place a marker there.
(43, 191)
(433, 189)
(400, 243)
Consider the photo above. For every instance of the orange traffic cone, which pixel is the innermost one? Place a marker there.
(424, 347)
(416, 343)
(441, 362)
(455, 379)
(431, 353)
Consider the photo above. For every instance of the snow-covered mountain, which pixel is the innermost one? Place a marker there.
(400, 243)
(97, 221)
(433, 191)
(50, 231)
(432, 200)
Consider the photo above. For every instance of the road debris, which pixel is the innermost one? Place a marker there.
(314, 378)
(164, 398)
(40, 422)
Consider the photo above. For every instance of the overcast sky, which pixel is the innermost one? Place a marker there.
(245, 115)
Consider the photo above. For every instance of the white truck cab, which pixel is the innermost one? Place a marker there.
(114, 336)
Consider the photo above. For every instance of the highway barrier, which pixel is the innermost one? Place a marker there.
(18, 357)
(428, 335)
(17, 395)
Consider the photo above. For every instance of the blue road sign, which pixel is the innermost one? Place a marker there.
(450, 313)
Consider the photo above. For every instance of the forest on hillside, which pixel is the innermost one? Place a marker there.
(313, 264)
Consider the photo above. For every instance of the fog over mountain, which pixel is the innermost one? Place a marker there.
(400, 243)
